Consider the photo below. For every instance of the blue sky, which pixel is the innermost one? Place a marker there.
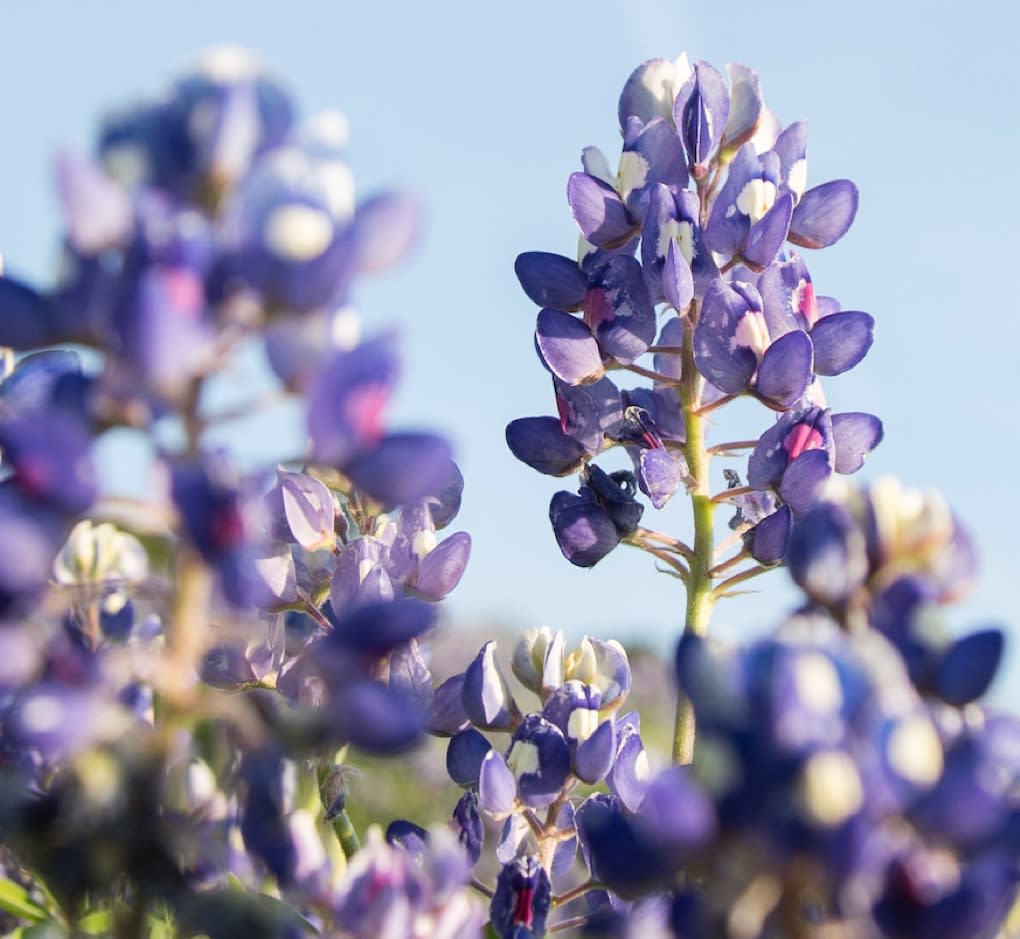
(482, 110)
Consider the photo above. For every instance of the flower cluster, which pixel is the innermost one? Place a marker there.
(687, 255)
(209, 228)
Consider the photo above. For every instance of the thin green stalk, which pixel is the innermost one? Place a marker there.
(700, 594)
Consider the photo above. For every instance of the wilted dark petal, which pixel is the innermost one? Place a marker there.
(598, 210)
(826, 556)
(386, 229)
(648, 92)
(767, 235)
(375, 718)
(467, 823)
(770, 538)
(615, 493)
(841, 340)
(700, 113)
(446, 715)
(465, 754)
(663, 406)
(551, 280)
(805, 478)
(378, 628)
(583, 530)
(660, 473)
(486, 696)
(541, 443)
(497, 786)
(402, 468)
(745, 106)
(968, 667)
(568, 348)
(441, 569)
(824, 214)
(594, 757)
(785, 370)
(854, 436)
(618, 308)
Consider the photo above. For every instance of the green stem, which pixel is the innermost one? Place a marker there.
(700, 595)
(346, 835)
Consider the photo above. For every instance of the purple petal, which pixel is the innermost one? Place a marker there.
(567, 348)
(465, 754)
(785, 370)
(584, 531)
(497, 787)
(442, 568)
(376, 718)
(387, 228)
(804, 479)
(595, 756)
(824, 558)
(654, 157)
(486, 695)
(770, 538)
(718, 353)
(824, 214)
(648, 92)
(854, 436)
(841, 340)
(700, 113)
(308, 506)
(677, 279)
(660, 474)
(767, 235)
(377, 628)
(446, 715)
(598, 211)
(968, 666)
(727, 227)
(541, 443)
(402, 468)
(551, 280)
(589, 413)
(619, 309)
(97, 210)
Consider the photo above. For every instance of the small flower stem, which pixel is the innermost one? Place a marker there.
(727, 585)
(722, 448)
(343, 828)
(700, 595)
(728, 494)
(476, 884)
(571, 923)
(654, 376)
(671, 543)
(574, 892)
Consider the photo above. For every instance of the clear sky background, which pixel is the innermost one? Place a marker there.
(482, 109)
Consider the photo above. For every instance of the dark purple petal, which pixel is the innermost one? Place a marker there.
(841, 340)
(700, 113)
(805, 478)
(551, 280)
(770, 538)
(785, 370)
(376, 718)
(598, 211)
(540, 759)
(727, 228)
(968, 666)
(854, 436)
(522, 899)
(541, 443)
(676, 815)
(402, 468)
(615, 493)
(442, 568)
(677, 279)
(446, 715)
(583, 530)
(386, 229)
(824, 214)
(465, 754)
(589, 413)
(718, 351)
(619, 309)
(444, 503)
(619, 855)
(655, 156)
(767, 235)
(378, 628)
(568, 348)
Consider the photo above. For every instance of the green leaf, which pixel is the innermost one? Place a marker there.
(14, 899)
(97, 923)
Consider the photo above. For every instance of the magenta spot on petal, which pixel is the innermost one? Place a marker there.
(523, 914)
(34, 476)
(801, 438)
(807, 304)
(184, 290)
(226, 528)
(364, 408)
